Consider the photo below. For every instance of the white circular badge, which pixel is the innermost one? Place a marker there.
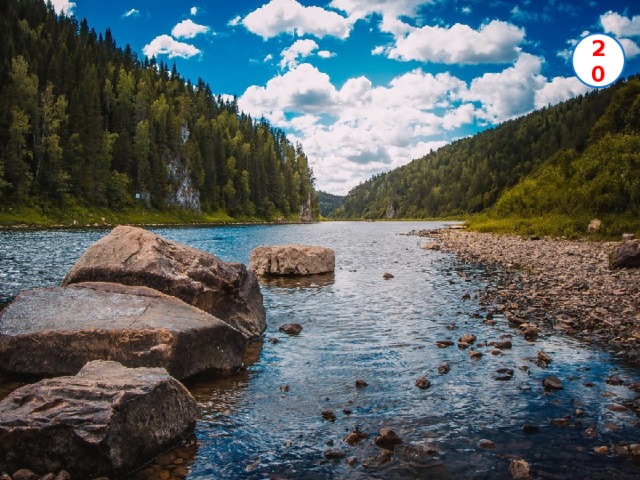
(598, 60)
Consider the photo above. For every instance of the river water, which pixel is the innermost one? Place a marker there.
(356, 325)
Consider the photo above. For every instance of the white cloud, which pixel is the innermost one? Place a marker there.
(631, 49)
(188, 29)
(194, 11)
(63, 6)
(289, 16)
(619, 25)
(326, 54)
(559, 90)
(495, 42)
(235, 21)
(358, 9)
(507, 94)
(300, 49)
(268, 58)
(466, 10)
(379, 50)
(131, 13)
(165, 45)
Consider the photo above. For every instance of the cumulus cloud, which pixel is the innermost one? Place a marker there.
(300, 49)
(326, 54)
(65, 6)
(619, 25)
(188, 29)
(166, 45)
(131, 13)
(358, 9)
(289, 16)
(509, 93)
(495, 42)
(631, 48)
(559, 90)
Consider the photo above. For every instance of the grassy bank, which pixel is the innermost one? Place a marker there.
(43, 216)
(553, 225)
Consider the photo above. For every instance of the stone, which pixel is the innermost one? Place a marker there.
(444, 343)
(552, 383)
(602, 450)
(387, 439)
(466, 340)
(387, 276)
(55, 331)
(354, 437)
(25, 474)
(422, 383)
(504, 374)
(435, 246)
(594, 225)
(329, 415)
(444, 368)
(503, 345)
(486, 444)
(48, 476)
(529, 428)
(625, 255)
(475, 355)
(291, 328)
(292, 261)
(360, 383)
(106, 420)
(63, 475)
(519, 469)
(134, 256)
(334, 454)
(543, 359)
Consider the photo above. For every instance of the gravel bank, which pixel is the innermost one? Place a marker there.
(565, 285)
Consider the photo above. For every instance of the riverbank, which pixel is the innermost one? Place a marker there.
(562, 285)
(81, 217)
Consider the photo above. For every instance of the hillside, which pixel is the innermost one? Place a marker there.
(578, 158)
(329, 202)
(86, 124)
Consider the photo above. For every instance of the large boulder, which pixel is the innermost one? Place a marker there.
(134, 256)
(625, 255)
(292, 260)
(107, 420)
(55, 331)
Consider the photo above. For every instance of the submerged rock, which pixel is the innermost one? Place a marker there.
(387, 439)
(134, 256)
(292, 260)
(291, 328)
(552, 383)
(55, 331)
(106, 420)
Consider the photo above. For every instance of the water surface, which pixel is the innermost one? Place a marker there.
(356, 325)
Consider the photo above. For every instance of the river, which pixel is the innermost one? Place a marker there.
(357, 325)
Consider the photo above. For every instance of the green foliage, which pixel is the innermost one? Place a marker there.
(86, 123)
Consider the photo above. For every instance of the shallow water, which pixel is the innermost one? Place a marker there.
(356, 325)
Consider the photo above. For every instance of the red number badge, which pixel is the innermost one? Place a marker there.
(598, 60)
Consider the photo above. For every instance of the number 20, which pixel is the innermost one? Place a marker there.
(598, 72)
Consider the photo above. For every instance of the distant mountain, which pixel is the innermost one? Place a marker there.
(579, 157)
(84, 122)
(329, 202)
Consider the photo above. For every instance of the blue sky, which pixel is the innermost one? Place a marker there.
(369, 85)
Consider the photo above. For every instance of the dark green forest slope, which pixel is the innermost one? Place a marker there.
(85, 123)
(575, 160)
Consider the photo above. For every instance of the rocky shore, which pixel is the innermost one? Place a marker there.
(555, 284)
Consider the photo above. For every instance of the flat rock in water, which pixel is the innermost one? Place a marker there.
(107, 420)
(134, 256)
(55, 331)
(292, 260)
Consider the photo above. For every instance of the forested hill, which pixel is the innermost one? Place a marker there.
(86, 122)
(574, 158)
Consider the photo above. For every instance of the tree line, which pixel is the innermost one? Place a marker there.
(85, 121)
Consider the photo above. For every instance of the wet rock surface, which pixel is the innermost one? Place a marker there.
(106, 420)
(134, 256)
(55, 331)
(292, 260)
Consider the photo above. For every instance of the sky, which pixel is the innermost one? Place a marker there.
(369, 85)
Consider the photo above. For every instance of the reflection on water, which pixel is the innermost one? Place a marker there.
(267, 420)
(311, 281)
